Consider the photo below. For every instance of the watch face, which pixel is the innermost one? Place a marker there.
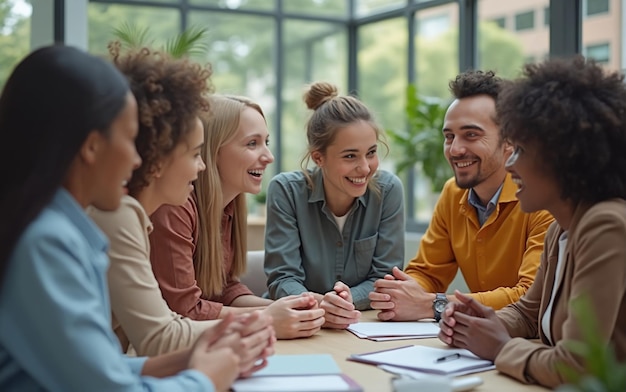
(440, 306)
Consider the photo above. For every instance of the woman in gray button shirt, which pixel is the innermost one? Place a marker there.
(334, 229)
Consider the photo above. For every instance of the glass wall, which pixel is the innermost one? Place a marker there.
(511, 34)
(314, 51)
(14, 35)
(603, 32)
(271, 49)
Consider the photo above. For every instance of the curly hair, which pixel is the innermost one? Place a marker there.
(574, 112)
(475, 82)
(170, 95)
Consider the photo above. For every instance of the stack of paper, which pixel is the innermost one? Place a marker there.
(298, 373)
(450, 362)
(393, 330)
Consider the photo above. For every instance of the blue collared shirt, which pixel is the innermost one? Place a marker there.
(306, 251)
(484, 211)
(55, 318)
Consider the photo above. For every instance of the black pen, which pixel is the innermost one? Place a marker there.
(448, 358)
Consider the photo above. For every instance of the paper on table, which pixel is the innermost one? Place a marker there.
(299, 365)
(425, 359)
(321, 383)
(298, 373)
(380, 331)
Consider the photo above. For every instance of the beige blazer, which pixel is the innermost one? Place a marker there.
(594, 265)
(141, 316)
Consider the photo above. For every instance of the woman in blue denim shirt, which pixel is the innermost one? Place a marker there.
(68, 124)
(335, 229)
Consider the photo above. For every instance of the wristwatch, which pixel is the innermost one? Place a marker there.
(439, 303)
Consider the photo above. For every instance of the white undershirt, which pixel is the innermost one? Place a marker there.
(546, 319)
(340, 220)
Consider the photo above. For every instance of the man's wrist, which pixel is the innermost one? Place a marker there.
(439, 303)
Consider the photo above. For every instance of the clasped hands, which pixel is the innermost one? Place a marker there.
(236, 347)
(468, 324)
(399, 297)
(296, 316)
(339, 308)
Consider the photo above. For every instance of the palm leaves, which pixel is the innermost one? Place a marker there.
(189, 42)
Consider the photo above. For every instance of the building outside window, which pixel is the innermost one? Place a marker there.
(599, 52)
(595, 7)
(525, 20)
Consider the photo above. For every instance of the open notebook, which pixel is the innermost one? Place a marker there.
(450, 362)
(298, 373)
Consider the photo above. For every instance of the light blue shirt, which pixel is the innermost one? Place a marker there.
(483, 212)
(306, 251)
(55, 318)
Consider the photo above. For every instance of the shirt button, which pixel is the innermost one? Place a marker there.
(339, 243)
(338, 277)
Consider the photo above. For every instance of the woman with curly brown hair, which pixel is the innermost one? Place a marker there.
(171, 94)
(566, 120)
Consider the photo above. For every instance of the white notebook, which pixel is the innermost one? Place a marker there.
(395, 330)
(451, 362)
(298, 373)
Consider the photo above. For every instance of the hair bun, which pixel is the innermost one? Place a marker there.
(318, 93)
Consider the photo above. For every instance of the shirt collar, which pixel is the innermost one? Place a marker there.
(318, 188)
(491, 204)
(66, 203)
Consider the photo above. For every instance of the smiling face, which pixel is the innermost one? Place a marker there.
(348, 165)
(116, 158)
(473, 146)
(174, 181)
(242, 161)
(537, 188)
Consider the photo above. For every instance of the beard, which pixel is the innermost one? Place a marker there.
(467, 182)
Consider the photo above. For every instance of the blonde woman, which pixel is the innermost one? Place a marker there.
(200, 247)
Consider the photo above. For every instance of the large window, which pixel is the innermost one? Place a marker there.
(505, 50)
(270, 49)
(603, 34)
(14, 35)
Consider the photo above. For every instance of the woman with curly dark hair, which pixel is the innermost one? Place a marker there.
(171, 94)
(567, 122)
(73, 121)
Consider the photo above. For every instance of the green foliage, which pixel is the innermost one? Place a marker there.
(14, 39)
(131, 36)
(603, 372)
(422, 141)
(187, 43)
(260, 197)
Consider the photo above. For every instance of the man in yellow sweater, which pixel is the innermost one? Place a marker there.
(477, 224)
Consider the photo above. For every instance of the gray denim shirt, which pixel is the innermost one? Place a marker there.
(305, 251)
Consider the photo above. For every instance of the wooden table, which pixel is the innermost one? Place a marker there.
(341, 344)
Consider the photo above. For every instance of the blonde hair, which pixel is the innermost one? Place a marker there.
(220, 127)
(331, 113)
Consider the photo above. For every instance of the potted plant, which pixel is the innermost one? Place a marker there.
(421, 142)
